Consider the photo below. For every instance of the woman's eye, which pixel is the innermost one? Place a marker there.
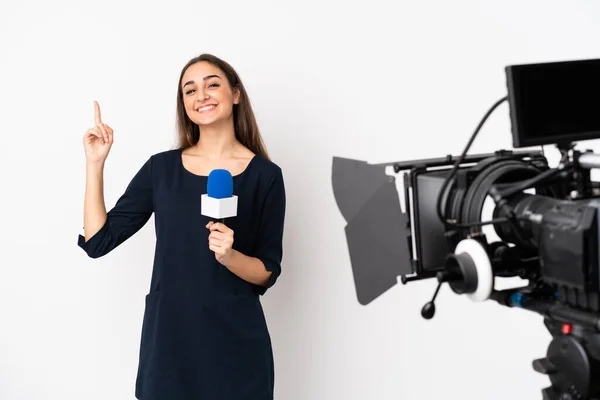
(213, 85)
(189, 91)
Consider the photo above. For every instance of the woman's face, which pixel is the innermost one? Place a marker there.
(207, 95)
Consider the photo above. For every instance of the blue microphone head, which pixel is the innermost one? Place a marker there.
(220, 184)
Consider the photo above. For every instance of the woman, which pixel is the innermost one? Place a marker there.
(204, 334)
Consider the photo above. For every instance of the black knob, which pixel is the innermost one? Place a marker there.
(428, 310)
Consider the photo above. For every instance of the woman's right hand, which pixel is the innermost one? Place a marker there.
(98, 140)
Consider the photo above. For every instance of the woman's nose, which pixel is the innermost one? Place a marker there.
(202, 96)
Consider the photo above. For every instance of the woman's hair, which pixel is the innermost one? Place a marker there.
(244, 122)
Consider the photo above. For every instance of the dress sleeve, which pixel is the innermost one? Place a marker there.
(130, 213)
(269, 247)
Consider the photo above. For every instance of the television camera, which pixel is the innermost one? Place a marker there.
(544, 226)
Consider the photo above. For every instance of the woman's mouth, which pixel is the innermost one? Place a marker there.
(206, 109)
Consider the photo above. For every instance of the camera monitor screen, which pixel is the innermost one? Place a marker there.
(557, 102)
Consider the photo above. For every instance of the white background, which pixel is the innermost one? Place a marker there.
(377, 81)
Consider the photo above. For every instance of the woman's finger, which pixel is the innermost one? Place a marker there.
(218, 235)
(97, 114)
(93, 132)
(104, 133)
(110, 133)
(216, 242)
(218, 226)
(215, 248)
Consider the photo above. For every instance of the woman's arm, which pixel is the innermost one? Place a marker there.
(104, 231)
(97, 142)
(263, 267)
(94, 208)
(250, 269)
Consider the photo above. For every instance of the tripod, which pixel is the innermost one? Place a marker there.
(572, 362)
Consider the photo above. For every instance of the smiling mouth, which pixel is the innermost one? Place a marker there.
(206, 108)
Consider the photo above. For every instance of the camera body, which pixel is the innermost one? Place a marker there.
(549, 237)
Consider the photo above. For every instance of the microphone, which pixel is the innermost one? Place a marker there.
(219, 202)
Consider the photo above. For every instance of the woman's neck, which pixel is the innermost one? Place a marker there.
(217, 142)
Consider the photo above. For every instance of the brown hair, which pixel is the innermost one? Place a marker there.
(244, 122)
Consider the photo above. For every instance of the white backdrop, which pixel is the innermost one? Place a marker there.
(377, 81)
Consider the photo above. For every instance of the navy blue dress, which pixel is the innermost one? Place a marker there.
(204, 334)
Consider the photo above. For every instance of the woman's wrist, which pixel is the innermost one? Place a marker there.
(94, 166)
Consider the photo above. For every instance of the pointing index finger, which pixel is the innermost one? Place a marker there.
(97, 115)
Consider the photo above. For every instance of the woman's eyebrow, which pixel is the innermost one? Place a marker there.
(205, 78)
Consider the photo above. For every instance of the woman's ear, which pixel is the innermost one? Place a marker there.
(236, 95)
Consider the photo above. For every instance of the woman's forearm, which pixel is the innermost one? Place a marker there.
(94, 209)
(250, 269)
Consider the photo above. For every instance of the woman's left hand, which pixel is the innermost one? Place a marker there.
(220, 241)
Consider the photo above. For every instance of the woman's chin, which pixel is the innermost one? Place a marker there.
(210, 121)
(206, 121)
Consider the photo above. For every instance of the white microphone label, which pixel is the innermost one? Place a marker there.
(219, 208)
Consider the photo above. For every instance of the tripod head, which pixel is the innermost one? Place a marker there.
(572, 362)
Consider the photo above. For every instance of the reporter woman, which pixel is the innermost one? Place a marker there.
(204, 333)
